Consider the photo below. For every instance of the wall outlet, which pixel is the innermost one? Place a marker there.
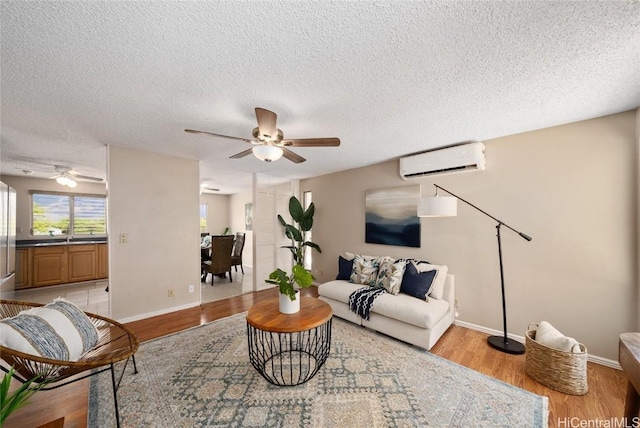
(123, 238)
(170, 292)
(456, 304)
(192, 288)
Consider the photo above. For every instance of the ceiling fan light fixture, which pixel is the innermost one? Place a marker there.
(65, 180)
(267, 153)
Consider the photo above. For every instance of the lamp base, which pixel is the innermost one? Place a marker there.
(509, 346)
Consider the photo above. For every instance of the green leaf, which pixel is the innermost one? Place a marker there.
(293, 233)
(10, 402)
(295, 209)
(312, 245)
(302, 277)
(281, 220)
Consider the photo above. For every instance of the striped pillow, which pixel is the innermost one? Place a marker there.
(59, 331)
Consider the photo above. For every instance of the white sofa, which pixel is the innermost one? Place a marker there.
(404, 317)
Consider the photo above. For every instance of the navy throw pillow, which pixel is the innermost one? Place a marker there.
(417, 284)
(344, 268)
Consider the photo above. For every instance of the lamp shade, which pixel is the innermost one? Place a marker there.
(437, 206)
(267, 153)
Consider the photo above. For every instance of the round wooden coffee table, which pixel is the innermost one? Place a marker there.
(289, 349)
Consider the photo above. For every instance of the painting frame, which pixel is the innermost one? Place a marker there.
(391, 216)
(248, 216)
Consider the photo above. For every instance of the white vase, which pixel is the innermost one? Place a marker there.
(288, 306)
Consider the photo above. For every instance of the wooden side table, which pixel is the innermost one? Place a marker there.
(629, 357)
(289, 349)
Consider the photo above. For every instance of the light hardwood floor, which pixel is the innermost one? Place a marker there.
(603, 402)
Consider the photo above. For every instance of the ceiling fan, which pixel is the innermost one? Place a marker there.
(67, 176)
(269, 143)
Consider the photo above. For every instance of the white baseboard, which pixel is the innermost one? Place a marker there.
(159, 312)
(593, 358)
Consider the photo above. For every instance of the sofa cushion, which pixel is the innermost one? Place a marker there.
(410, 310)
(401, 307)
(345, 267)
(365, 271)
(59, 331)
(417, 284)
(390, 274)
(338, 290)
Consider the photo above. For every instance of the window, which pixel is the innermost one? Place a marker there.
(203, 218)
(55, 214)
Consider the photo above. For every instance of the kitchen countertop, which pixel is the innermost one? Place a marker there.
(29, 243)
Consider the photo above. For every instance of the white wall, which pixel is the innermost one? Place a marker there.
(218, 208)
(154, 200)
(572, 188)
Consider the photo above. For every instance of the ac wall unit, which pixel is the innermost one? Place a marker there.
(464, 157)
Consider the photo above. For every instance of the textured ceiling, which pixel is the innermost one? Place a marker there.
(388, 78)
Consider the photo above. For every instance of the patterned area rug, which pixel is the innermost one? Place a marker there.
(202, 378)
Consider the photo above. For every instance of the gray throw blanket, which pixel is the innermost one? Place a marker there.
(361, 300)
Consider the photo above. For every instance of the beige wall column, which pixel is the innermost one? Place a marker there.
(154, 203)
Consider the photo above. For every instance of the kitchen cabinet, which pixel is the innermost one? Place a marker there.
(103, 261)
(39, 266)
(50, 265)
(22, 267)
(82, 263)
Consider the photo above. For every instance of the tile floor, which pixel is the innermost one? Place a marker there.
(222, 288)
(89, 296)
(92, 297)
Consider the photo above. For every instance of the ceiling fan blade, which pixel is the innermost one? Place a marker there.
(293, 157)
(193, 131)
(266, 122)
(241, 154)
(86, 177)
(312, 142)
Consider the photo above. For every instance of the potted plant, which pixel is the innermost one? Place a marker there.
(12, 401)
(300, 277)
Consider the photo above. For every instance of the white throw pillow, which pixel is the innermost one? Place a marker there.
(437, 289)
(549, 336)
(59, 331)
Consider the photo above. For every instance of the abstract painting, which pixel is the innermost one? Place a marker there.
(391, 216)
(248, 216)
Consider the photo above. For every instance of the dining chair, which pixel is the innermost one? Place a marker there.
(236, 257)
(220, 262)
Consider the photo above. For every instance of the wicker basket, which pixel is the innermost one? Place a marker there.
(559, 370)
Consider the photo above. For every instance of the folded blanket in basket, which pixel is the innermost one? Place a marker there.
(361, 300)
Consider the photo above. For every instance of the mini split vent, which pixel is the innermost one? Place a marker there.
(465, 157)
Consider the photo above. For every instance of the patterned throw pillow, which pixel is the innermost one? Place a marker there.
(59, 331)
(390, 274)
(365, 271)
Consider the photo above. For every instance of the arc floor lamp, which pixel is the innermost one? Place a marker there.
(446, 206)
